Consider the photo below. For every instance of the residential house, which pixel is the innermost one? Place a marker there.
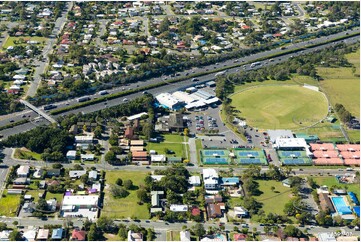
(140, 157)
(78, 235)
(21, 181)
(214, 210)
(76, 173)
(23, 171)
(57, 234)
(239, 237)
(71, 155)
(134, 236)
(129, 133)
(210, 179)
(43, 234)
(213, 198)
(240, 212)
(194, 181)
(93, 175)
(158, 158)
(155, 197)
(53, 172)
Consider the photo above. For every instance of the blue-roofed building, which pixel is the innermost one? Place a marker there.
(357, 210)
(57, 234)
(354, 198)
(229, 181)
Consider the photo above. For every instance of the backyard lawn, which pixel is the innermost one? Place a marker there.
(58, 196)
(9, 204)
(124, 207)
(331, 180)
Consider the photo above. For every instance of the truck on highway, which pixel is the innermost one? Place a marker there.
(50, 106)
(103, 92)
(255, 64)
(221, 73)
(83, 99)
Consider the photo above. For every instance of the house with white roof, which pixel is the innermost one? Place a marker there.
(210, 179)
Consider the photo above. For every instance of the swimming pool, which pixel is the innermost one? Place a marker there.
(340, 205)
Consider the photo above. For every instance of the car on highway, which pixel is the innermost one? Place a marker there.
(11, 120)
(125, 100)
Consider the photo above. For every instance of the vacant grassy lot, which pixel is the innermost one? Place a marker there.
(124, 207)
(173, 235)
(9, 204)
(26, 154)
(173, 143)
(331, 180)
(273, 201)
(269, 107)
(10, 40)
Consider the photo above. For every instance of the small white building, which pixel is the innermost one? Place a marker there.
(87, 157)
(178, 208)
(195, 181)
(71, 155)
(84, 139)
(158, 158)
(185, 235)
(77, 173)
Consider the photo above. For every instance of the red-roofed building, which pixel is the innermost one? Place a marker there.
(129, 133)
(196, 211)
(239, 237)
(324, 146)
(245, 27)
(328, 161)
(325, 154)
(118, 23)
(277, 35)
(78, 235)
(13, 91)
(140, 157)
(127, 42)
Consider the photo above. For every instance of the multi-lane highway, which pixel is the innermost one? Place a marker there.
(172, 86)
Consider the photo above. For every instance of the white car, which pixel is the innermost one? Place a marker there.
(125, 100)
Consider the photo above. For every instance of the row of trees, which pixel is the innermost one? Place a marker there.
(344, 114)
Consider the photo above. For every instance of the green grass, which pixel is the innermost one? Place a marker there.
(173, 138)
(269, 107)
(330, 181)
(173, 235)
(177, 146)
(354, 135)
(354, 58)
(27, 155)
(35, 194)
(111, 237)
(327, 132)
(124, 207)
(9, 205)
(58, 196)
(273, 202)
(199, 146)
(10, 40)
(342, 87)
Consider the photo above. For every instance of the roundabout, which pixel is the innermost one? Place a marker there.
(280, 106)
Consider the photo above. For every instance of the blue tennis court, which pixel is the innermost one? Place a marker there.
(291, 154)
(210, 160)
(296, 161)
(248, 161)
(214, 153)
(248, 153)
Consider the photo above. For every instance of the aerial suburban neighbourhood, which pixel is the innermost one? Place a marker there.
(180, 121)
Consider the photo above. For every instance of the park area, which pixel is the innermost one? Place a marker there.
(173, 143)
(342, 85)
(268, 107)
(9, 205)
(124, 207)
(273, 201)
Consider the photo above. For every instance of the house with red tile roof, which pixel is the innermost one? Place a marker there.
(78, 235)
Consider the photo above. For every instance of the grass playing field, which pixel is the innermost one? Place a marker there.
(275, 107)
(342, 85)
(10, 40)
(173, 143)
(124, 207)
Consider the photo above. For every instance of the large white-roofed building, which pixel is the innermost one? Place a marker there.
(292, 144)
(168, 101)
(84, 205)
